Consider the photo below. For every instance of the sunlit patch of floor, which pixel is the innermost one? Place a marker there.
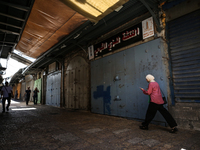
(12, 102)
(12, 106)
(24, 108)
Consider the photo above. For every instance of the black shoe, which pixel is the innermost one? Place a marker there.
(3, 111)
(144, 127)
(173, 130)
(7, 108)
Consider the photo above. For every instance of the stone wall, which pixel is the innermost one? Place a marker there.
(187, 115)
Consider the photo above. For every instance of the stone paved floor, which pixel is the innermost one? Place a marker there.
(40, 127)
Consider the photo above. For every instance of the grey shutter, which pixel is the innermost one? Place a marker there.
(184, 44)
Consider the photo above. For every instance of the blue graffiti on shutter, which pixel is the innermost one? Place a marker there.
(106, 97)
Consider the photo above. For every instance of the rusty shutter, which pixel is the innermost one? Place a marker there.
(184, 45)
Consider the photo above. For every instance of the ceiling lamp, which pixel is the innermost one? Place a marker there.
(94, 10)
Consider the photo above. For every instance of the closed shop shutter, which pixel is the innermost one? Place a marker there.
(115, 81)
(77, 84)
(53, 89)
(184, 39)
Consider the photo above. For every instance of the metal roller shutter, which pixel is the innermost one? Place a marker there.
(184, 39)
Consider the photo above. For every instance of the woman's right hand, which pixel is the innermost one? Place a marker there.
(142, 89)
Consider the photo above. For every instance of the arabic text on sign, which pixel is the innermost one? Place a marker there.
(125, 36)
(130, 34)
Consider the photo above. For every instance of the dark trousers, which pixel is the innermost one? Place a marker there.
(27, 100)
(151, 112)
(4, 101)
(35, 99)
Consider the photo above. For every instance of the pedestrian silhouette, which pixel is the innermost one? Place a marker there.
(6, 92)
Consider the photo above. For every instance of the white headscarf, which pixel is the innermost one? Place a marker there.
(150, 78)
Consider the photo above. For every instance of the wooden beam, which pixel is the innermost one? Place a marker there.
(8, 42)
(6, 24)
(6, 45)
(23, 8)
(9, 32)
(13, 17)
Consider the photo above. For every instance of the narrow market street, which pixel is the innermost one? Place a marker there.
(42, 127)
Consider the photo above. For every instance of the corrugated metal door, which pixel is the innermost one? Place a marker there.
(184, 37)
(53, 89)
(44, 89)
(77, 84)
(57, 79)
(115, 80)
(53, 93)
(48, 90)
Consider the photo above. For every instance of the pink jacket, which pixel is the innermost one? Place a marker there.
(154, 92)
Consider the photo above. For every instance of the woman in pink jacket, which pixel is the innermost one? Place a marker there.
(156, 103)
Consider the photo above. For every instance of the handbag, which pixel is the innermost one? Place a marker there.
(11, 95)
(163, 97)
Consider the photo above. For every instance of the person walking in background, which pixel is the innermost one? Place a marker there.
(35, 96)
(156, 103)
(6, 92)
(27, 95)
(16, 94)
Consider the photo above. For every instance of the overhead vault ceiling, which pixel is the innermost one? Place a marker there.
(48, 23)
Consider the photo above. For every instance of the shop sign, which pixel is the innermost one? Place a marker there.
(148, 28)
(91, 52)
(122, 39)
